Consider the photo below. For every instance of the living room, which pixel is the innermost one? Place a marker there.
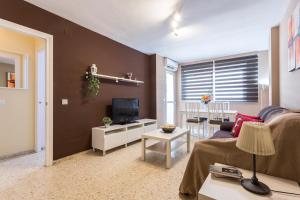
(112, 77)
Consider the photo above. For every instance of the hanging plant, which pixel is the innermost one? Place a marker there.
(93, 84)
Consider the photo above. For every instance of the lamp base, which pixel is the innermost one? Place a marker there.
(257, 188)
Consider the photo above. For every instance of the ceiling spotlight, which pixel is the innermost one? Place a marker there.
(174, 24)
(177, 17)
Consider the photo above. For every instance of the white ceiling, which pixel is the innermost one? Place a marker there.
(208, 28)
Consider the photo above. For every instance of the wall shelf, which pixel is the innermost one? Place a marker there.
(117, 79)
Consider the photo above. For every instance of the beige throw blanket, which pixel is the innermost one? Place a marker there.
(285, 163)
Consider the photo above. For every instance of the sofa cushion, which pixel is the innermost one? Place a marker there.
(227, 126)
(239, 123)
(268, 112)
(238, 115)
(222, 134)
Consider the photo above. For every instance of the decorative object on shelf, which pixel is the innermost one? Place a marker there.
(107, 121)
(129, 75)
(206, 98)
(168, 128)
(93, 84)
(10, 80)
(255, 138)
(94, 69)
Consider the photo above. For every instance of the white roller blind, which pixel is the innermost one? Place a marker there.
(196, 80)
(235, 79)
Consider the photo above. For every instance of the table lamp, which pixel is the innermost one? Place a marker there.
(255, 138)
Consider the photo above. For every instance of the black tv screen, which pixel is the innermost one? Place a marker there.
(125, 110)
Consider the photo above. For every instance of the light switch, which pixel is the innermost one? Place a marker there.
(64, 102)
(2, 102)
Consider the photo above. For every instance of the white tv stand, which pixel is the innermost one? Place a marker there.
(118, 135)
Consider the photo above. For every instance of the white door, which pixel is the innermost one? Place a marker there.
(170, 96)
(41, 95)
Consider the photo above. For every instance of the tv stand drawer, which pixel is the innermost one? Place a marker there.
(134, 134)
(114, 140)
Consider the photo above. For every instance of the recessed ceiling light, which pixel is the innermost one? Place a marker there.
(174, 24)
(177, 17)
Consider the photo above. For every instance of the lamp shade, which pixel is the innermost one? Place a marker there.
(255, 138)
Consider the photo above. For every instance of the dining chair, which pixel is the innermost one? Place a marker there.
(215, 115)
(226, 107)
(194, 118)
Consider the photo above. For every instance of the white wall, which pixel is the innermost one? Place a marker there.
(17, 124)
(289, 81)
(248, 108)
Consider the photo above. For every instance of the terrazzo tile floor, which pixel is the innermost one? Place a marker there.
(118, 175)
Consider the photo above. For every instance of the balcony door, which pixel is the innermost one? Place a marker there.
(170, 97)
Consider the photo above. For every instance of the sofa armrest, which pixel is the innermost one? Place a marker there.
(227, 126)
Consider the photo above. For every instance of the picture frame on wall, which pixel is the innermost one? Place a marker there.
(10, 80)
(294, 40)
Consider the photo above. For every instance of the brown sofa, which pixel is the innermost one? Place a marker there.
(265, 114)
(285, 131)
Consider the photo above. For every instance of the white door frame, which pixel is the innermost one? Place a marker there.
(49, 81)
(37, 99)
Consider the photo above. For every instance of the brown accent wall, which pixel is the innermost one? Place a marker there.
(76, 48)
(153, 86)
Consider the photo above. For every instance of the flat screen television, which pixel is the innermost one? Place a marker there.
(125, 110)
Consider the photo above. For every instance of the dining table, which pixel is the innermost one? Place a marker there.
(204, 113)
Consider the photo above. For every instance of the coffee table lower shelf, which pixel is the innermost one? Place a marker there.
(166, 142)
(161, 147)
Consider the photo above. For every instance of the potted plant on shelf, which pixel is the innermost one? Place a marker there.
(93, 84)
(107, 121)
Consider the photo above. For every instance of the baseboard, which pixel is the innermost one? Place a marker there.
(6, 157)
(70, 156)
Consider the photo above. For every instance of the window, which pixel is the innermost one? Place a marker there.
(234, 80)
(196, 80)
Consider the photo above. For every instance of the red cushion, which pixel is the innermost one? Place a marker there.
(239, 123)
(244, 115)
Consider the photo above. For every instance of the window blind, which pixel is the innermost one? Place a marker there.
(196, 80)
(236, 79)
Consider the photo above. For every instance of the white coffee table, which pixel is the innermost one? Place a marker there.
(167, 142)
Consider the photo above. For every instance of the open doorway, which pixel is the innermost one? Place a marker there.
(26, 97)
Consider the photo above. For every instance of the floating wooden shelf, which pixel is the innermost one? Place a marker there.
(117, 79)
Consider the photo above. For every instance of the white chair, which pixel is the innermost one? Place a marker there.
(193, 118)
(215, 116)
(226, 107)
